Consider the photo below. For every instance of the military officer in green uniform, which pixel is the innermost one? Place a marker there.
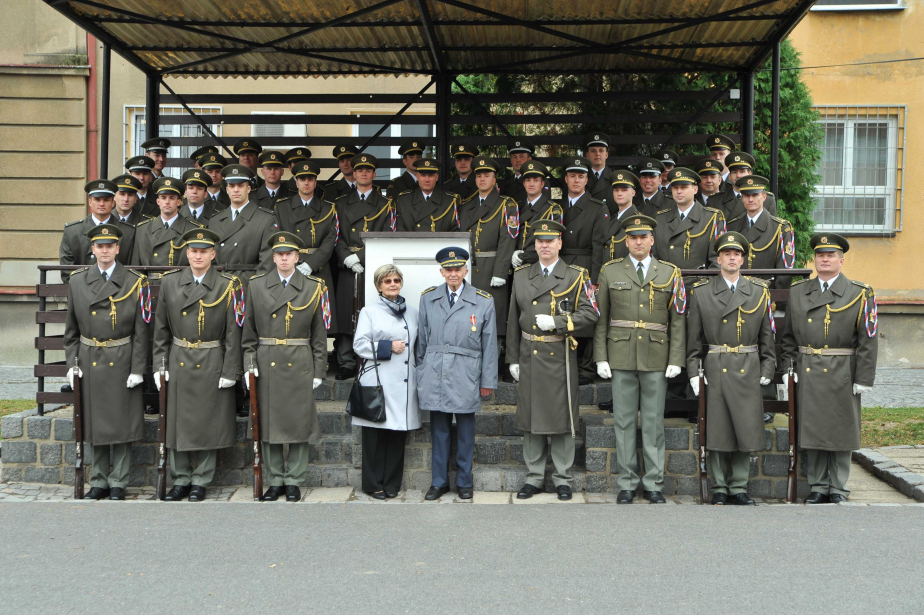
(772, 240)
(639, 343)
(730, 315)
(362, 210)
(650, 199)
(216, 195)
(686, 231)
(829, 338)
(142, 169)
(159, 240)
(248, 154)
(294, 156)
(463, 182)
(669, 158)
(520, 151)
(106, 346)
(534, 206)
(76, 247)
(126, 197)
(347, 183)
(741, 164)
(550, 301)
(410, 153)
(426, 208)
(623, 191)
(197, 346)
(285, 347)
(272, 167)
(197, 205)
(599, 180)
(719, 147)
(710, 180)
(156, 150)
(202, 151)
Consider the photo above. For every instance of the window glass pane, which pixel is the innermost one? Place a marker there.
(850, 211)
(832, 157)
(871, 153)
(382, 152)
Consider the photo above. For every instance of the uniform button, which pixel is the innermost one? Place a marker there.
(639, 337)
(808, 369)
(92, 313)
(94, 363)
(111, 364)
(274, 316)
(406, 378)
(534, 326)
(352, 230)
(551, 354)
(724, 320)
(641, 305)
(235, 245)
(198, 366)
(184, 313)
(182, 365)
(672, 247)
(273, 364)
(298, 230)
(724, 370)
(290, 365)
(92, 256)
(826, 345)
(810, 320)
(534, 303)
(155, 254)
(534, 352)
(418, 226)
(477, 270)
(222, 245)
(742, 371)
(405, 362)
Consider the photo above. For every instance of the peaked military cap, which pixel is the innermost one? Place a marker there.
(751, 183)
(166, 185)
(828, 242)
(638, 225)
(101, 187)
(159, 144)
(345, 150)
(668, 156)
(140, 163)
(365, 160)
(708, 165)
(127, 183)
(624, 178)
(197, 176)
(237, 174)
(739, 159)
(719, 141)
(306, 168)
(411, 147)
(682, 175)
(272, 158)
(452, 257)
(427, 165)
(200, 238)
(578, 164)
(202, 151)
(595, 139)
(247, 145)
(464, 149)
(297, 153)
(105, 233)
(649, 166)
(732, 241)
(521, 145)
(484, 163)
(284, 241)
(210, 161)
(534, 167)
(548, 229)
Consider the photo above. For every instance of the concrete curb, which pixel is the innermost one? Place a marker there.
(909, 483)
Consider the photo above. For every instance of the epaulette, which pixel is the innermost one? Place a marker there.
(713, 209)
(285, 198)
(228, 276)
(597, 201)
(757, 281)
(166, 273)
(483, 294)
(315, 279)
(615, 260)
(259, 275)
(862, 284)
(146, 217)
(781, 220)
(139, 274)
(428, 290)
(144, 222)
(72, 224)
(737, 218)
(76, 271)
(342, 196)
(664, 211)
(194, 223)
(578, 268)
(468, 198)
(701, 282)
(454, 195)
(522, 267)
(269, 211)
(799, 282)
(405, 192)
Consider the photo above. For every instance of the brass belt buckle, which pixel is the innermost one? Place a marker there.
(731, 349)
(102, 344)
(191, 344)
(640, 324)
(280, 342)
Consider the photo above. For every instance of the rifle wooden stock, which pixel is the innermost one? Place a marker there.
(792, 476)
(257, 444)
(78, 440)
(162, 439)
(703, 476)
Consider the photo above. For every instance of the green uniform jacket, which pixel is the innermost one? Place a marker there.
(464, 189)
(157, 246)
(615, 247)
(134, 217)
(766, 251)
(731, 206)
(544, 209)
(113, 413)
(244, 241)
(402, 183)
(208, 210)
(655, 204)
(261, 196)
(621, 297)
(200, 416)
(601, 189)
(75, 245)
(734, 406)
(333, 190)
(542, 394)
(494, 227)
(688, 244)
(586, 225)
(284, 388)
(439, 214)
(828, 411)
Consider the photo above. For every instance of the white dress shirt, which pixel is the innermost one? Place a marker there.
(107, 273)
(821, 283)
(645, 264)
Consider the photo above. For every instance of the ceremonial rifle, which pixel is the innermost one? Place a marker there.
(255, 434)
(162, 433)
(792, 476)
(703, 478)
(78, 434)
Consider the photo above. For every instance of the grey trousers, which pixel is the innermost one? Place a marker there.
(536, 452)
(639, 394)
(735, 480)
(278, 471)
(182, 471)
(101, 475)
(828, 471)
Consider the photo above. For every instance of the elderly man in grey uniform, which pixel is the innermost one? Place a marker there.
(456, 366)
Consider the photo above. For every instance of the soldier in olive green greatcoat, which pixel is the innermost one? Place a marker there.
(463, 182)
(159, 241)
(426, 208)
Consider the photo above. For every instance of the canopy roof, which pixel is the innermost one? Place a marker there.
(449, 37)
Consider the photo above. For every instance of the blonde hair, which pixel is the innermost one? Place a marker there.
(386, 270)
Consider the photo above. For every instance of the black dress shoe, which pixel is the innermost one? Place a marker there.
(719, 499)
(816, 497)
(435, 493)
(177, 493)
(606, 405)
(625, 497)
(693, 418)
(96, 493)
(527, 491)
(345, 373)
(379, 495)
(117, 493)
(272, 494)
(293, 493)
(655, 497)
(66, 388)
(151, 410)
(582, 380)
(197, 493)
(564, 492)
(391, 494)
(837, 498)
(741, 499)
(466, 493)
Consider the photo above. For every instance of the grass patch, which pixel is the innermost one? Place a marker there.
(892, 426)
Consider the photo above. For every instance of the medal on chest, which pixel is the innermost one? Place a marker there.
(474, 328)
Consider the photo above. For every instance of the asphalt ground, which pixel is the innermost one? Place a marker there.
(111, 557)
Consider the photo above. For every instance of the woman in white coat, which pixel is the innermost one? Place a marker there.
(387, 331)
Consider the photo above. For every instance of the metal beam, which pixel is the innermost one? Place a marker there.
(432, 42)
(484, 109)
(442, 118)
(747, 112)
(299, 99)
(104, 111)
(152, 106)
(785, 26)
(775, 122)
(698, 116)
(218, 140)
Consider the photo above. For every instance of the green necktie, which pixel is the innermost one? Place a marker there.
(641, 275)
(545, 272)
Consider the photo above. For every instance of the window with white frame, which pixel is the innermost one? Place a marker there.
(860, 170)
(265, 132)
(858, 5)
(386, 152)
(136, 134)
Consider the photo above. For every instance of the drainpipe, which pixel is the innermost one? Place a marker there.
(93, 171)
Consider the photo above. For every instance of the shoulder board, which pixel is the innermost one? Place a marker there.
(757, 281)
(194, 223)
(72, 224)
(315, 279)
(342, 196)
(267, 210)
(143, 222)
(577, 268)
(597, 201)
(522, 267)
(227, 276)
(714, 210)
(259, 275)
(782, 221)
(663, 211)
(166, 273)
(615, 260)
(405, 192)
(800, 281)
(770, 193)
(468, 198)
(285, 198)
(667, 264)
(140, 275)
(508, 202)
(702, 282)
(146, 217)
(736, 218)
(428, 290)
(81, 270)
(454, 195)
(861, 284)
(483, 294)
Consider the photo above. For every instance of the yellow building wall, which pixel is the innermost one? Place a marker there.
(893, 265)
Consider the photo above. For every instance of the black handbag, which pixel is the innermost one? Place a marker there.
(367, 402)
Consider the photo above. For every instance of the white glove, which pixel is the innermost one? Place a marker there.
(603, 369)
(70, 375)
(672, 371)
(351, 260)
(357, 268)
(861, 388)
(764, 380)
(497, 281)
(157, 381)
(134, 380)
(256, 374)
(224, 383)
(515, 371)
(545, 322)
(517, 259)
(795, 379)
(304, 268)
(694, 384)
(316, 383)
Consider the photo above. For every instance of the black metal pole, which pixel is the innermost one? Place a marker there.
(43, 279)
(152, 107)
(775, 123)
(104, 123)
(443, 85)
(747, 112)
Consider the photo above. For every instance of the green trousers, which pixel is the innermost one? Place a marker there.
(278, 471)
(105, 478)
(639, 394)
(733, 481)
(536, 452)
(182, 471)
(828, 471)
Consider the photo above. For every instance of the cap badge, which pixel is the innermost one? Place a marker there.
(211, 158)
(530, 166)
(517, 143)
(545, 227)
(167, 182)
(596, 136)
(342, 149)
(737, 158)
(234, 171)
(717, 140)
(196, 174)
(649, 165)
(363, 159)
(638, 220)
(750, 182)
(414, 144)
(482, 162)
(102, 185)
(823, 239)
(200, 236)
(281, 238)
(105, 231)
(272, 156)
(452, 254)
(619, 176)
(245, 144)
